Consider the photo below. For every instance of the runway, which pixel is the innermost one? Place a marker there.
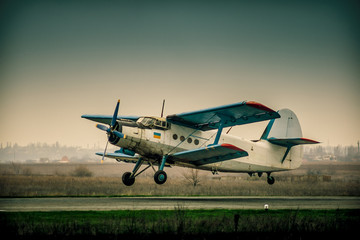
(169, 203)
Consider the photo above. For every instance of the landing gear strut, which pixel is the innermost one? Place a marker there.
(160, 176)
(128, 178)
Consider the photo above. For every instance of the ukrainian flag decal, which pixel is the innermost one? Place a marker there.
(157, 135)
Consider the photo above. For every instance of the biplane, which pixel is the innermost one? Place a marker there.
(196, 139)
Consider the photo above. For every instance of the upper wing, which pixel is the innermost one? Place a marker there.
(230, 115)
(211, 154)
(106, 119)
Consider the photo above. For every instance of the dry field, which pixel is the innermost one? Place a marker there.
(105, 180)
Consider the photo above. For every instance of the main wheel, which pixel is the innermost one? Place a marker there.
(127, 180)
(160, 177)
(270, 180)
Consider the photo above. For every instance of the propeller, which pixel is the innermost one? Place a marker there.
(111, 130)
(103, 156)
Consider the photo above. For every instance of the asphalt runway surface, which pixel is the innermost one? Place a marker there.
(170, 203)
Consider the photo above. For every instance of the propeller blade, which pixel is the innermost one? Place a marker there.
(113, 121)
(102, 160)
(119, 134)
(102, 127)
(111, 130)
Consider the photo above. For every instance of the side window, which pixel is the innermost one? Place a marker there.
(182, 139)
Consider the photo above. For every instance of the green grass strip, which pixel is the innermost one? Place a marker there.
(177, 222)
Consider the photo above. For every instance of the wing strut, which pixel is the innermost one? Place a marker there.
(286, 153)
(224, 119)
(218, 134)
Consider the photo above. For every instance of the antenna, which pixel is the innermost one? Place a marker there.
(162, 109)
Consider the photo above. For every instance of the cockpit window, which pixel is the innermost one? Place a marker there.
(151, 122)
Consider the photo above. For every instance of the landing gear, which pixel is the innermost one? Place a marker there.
(270, 179)
(160, 177)
(127, 179)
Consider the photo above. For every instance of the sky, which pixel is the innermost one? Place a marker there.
(62, 59)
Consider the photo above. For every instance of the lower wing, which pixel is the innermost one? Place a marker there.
(120, 157)
(210, 154)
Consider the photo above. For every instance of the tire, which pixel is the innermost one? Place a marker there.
(160, 177)
(127, 180)
(270, 180)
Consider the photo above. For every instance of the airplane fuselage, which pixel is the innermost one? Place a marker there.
(153, 143)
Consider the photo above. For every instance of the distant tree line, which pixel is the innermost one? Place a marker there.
(338, 153)
(36, 151)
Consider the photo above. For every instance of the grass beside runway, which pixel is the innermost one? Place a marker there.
(179, 223)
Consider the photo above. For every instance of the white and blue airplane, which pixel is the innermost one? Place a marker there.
(196, 140)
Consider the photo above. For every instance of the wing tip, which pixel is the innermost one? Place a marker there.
(259, 106)
(310, 141)
(230, 146)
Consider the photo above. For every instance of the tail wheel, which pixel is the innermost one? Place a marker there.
(160, 177)
(270, 180)
(127, 180)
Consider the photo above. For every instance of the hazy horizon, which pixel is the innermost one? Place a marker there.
(60, 60)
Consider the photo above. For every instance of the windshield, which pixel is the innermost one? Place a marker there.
(151, 122)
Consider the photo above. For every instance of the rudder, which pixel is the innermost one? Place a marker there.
(287, 126)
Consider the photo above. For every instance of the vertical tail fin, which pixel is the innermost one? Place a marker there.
(285, 131)
(287, 126)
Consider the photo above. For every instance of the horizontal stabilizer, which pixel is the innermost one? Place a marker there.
(211, 154)
(290, 142)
